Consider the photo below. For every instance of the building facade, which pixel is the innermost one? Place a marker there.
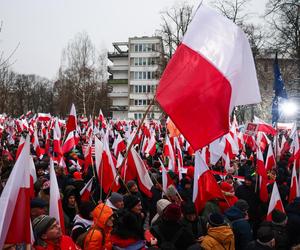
(135, 71)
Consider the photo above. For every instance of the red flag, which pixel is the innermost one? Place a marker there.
(275, 202)
(294, 190)
(72, 120)
(85, 192)
(270, 161)
(261, 171)
(15, 202)
(69, 143)
(205, 185)
(55, 205)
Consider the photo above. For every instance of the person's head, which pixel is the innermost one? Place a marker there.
(46, 187)
(279, 218)
(37, 207)
(117, 200)
(46, 229)
(103, 216)
(186, 183)
(248, 180)
(85, 209)
(171, 193)
(132, 186)
(71, 201)
(189, 211)
(172, 213)
(133, 203)
(265, 236)
(229, 179)
(215, 220)
(243, 206)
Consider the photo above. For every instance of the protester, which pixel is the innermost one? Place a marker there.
(265, 240)
(37, 207)
(115, 201)
(48, 235)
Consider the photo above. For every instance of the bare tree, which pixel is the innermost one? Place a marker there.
(284, 20)
(174, 25)
(81, 76)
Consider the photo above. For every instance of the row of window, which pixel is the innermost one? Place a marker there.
(145, 47)
(143, 75)
(143, 88)
(142, 102)
(144, 61)
(140, 116)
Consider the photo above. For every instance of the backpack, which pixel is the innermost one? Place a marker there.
(168, 244)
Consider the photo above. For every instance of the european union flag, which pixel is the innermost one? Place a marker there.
(280, 91)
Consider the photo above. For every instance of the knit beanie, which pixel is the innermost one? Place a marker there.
(265, 234)
(215, 219)
(161, 205)
(242, 205)
(172, 213)
(130, 201)
(278, 217)
(41, 224)
(115, 197)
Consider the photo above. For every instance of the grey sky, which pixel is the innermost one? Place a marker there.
(44, 27)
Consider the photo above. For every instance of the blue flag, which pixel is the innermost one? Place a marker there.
(279, 90)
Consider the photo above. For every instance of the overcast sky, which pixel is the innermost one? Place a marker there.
(44, 27)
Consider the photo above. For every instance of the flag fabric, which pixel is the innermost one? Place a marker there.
(279, 90)
(275, 202)
(85, 192)
(20, 147)
(294, 189)
(69, 143)
(15, 202)
(205, 185)
(263, 177)
(270, 161)
(72, 120)
(55, 205)
(211, 72)
(166, 178)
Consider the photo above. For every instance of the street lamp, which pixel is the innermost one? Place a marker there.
(289, 108)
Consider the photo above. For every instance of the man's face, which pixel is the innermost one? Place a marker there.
(134, 189)
(53, 233)
(137, 209)
(191, 217)
(248, 183)
(119, 204)
(71, 201)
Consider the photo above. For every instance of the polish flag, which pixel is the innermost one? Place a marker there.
(55, 205)
(36, 146)
(263, 180)
(15, 202)
(107, 170)
(72, 120)
(168, 150)
(294, 189)
(216, 149)
(166, 178)
(98, 154)
(215, 67)
(33, 177)
(20, 147)
(227, 163)
(270, 161)
(88, 158)
(205, 184)
(264, 127)
(43, 117)
(136, 169)
(275, 202)
(119, 145)
(57, 149)
(151, 146)
(69, 143)
(85, 192)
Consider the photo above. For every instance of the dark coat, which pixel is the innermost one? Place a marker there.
(293, 225)
(197, 227)
(240, 226)
(254, 245)
(168, 229)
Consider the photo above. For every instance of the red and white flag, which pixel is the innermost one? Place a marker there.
(20, 147)
(166, 178)
(263, 177)
(215, 68)
(85, 192)
(15, 202)
(43, 117)
(72, 120)
(69, 143)
(55, 205)
(205, 184)
(275, 202)
(36, 146)
(264, 127)
(294, 189)
(270, 161)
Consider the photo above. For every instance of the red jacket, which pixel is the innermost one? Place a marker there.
(65, 243)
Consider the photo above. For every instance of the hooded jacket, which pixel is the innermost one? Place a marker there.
(94, 237)
(240, 226)
(218, 238)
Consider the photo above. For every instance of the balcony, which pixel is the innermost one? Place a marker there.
(118, 81)
(118, 108)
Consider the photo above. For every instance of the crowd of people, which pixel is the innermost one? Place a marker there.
(127, 218)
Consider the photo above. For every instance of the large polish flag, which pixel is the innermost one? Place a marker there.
(211, 72)
(72, 120)
(275, 202)
(15, 202)
(55, 205)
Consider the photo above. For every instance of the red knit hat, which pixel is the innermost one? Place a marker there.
(226, 187)
(77, 175)
(172, 212)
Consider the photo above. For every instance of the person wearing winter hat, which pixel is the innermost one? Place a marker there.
(133, 203)
(265, 240)
(278, 226)
(37, 207)
(169, 229)
(172, 195)
(219, 234)
(48, 235)
(293, 224)
(160, 206)
(115, 201)
(230, 198)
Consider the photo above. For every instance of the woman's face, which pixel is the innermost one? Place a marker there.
(72, 201)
